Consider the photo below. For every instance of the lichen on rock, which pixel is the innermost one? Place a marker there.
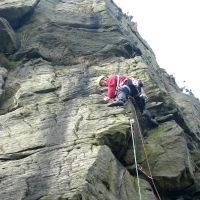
(58, 137)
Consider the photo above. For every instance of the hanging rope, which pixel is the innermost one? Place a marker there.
(135, 157)
(141, 136)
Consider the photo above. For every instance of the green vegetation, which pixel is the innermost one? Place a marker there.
(7, 100)
(45, 198)
(8, 64)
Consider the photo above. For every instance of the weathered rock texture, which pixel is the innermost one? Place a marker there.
(17, 11)
(8, 40)
(58, 138)
(3, 73)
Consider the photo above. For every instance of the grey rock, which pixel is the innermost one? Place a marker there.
(16, 11)
(61, 23)
(59, 139)
(169, 157)
(8, 39)
(3, 75)
(69, 172)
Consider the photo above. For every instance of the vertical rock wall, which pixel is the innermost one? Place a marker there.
(58, 138)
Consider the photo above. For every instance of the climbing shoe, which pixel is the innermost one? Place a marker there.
(116, 103)
(153, 123)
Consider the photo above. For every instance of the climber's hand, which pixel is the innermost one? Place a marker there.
(106, 98)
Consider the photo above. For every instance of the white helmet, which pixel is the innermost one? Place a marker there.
(99, 79)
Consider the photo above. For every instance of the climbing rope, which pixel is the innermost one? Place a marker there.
(135, 157)
(141, 136)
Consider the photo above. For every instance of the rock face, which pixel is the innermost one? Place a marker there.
(3, 75)
(16, 11)
(60, 140)
(8, 40)
(53, 36)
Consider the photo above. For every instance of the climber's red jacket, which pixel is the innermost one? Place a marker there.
(112, 83)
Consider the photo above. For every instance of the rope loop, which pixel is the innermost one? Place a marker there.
(135, 157)
(134, 148)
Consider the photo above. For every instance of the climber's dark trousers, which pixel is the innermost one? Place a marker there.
(140, 101)
(123, 94)
(142, 107)
(132, 91)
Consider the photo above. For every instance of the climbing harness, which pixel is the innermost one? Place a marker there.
(135, 157)
(141, 137)
(120, 86)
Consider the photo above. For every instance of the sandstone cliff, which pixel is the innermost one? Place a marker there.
(58, 138)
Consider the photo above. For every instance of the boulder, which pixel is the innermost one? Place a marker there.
(69, 172)
(168, 155)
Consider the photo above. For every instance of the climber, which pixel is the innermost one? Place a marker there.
(121, 87)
